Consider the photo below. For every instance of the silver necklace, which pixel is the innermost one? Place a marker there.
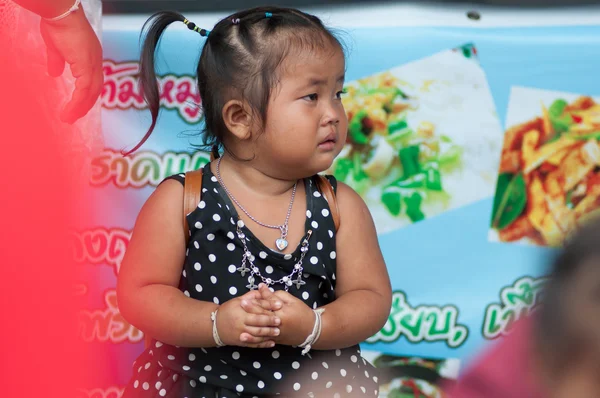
(282, 242)
(255, 274)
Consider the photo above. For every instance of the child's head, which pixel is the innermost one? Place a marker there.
(568, 322)
(270, 80)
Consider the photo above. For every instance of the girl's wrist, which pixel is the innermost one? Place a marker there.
(67, 21)
(308, 324)
(214, 326)
(64, 13)
(315, 332)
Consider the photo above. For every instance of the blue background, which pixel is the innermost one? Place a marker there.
(440, 261)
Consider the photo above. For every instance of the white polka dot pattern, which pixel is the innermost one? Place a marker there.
(211, 273)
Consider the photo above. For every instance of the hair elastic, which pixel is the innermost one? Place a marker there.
(192, 26)
(235, 21)
(268, 14)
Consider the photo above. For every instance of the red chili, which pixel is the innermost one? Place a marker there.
(413, 386)
(577, 119)
(367, 125)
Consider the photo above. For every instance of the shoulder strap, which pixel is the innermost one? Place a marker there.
(192, 192)
(324, 186)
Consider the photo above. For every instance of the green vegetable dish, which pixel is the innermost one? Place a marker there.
(388, 159)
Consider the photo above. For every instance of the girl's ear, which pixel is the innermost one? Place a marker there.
(237, 116)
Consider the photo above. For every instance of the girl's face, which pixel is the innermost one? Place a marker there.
(306, 123)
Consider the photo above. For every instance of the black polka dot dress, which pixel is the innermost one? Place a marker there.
(211, 274)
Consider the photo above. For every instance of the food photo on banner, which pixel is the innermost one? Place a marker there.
(473, 143)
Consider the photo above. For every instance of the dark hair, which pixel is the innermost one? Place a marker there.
(240, 59)
(559, 340)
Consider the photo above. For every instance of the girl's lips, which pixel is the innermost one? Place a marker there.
(327, 145)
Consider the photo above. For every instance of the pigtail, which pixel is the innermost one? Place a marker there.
(214, 153)
(240, 63)
(153, 28)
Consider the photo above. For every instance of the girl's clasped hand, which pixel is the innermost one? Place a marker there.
(262, 318)
(249, 321)
(296, 319)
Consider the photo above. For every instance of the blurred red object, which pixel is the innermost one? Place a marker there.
(41, 163)
(504, 370)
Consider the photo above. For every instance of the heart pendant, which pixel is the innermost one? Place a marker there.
(281, 244)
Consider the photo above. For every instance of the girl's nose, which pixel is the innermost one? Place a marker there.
(332, 116)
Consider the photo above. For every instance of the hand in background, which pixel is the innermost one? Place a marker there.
(72, 40)
(297, 318)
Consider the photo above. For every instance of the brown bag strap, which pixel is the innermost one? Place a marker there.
(324, 186)
(192, 192)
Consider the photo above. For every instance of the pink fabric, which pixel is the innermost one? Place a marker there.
(503, 370)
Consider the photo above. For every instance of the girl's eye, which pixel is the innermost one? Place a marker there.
(311, 97)
(339, 94)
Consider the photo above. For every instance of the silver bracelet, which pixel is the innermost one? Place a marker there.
(314, 336)
(215, 332)
(70, 11)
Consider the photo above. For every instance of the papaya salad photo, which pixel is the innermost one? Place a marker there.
(404, 155)
(549, 176)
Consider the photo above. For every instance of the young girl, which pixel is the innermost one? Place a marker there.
(270, 80)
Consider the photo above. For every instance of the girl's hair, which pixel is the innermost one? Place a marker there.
(239, 60)
(559, 337)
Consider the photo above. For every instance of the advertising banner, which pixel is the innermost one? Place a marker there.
(475, 148)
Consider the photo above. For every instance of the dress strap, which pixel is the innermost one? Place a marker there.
(324, 186)
(192, 192)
